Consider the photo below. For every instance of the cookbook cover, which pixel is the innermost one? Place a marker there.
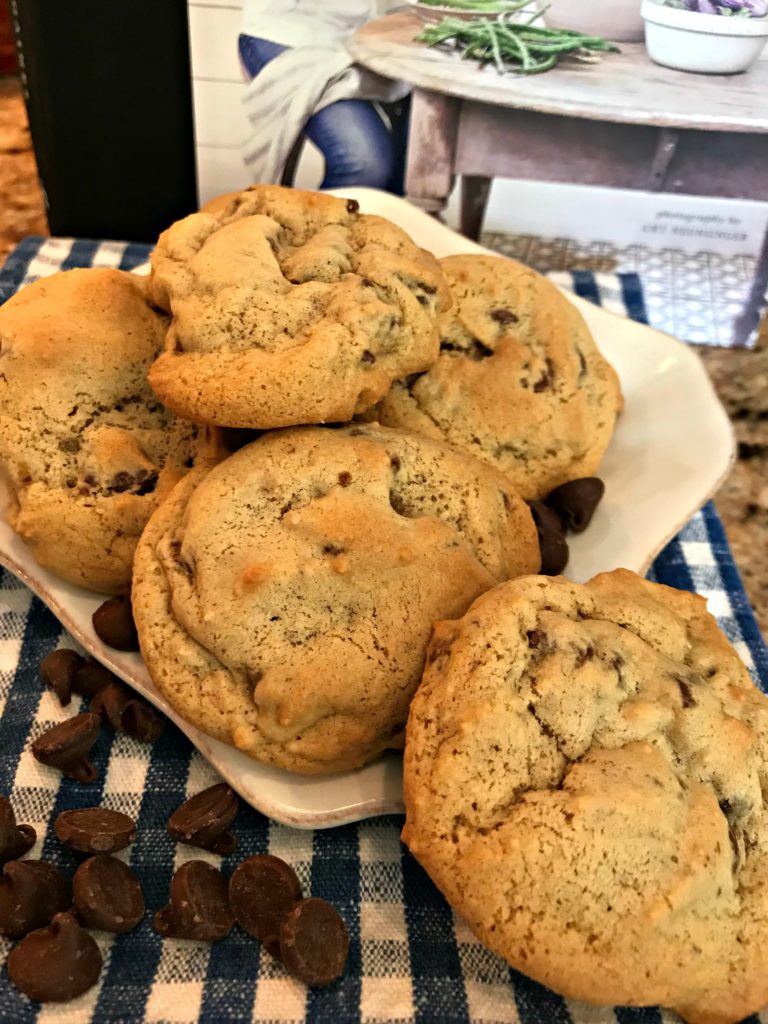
(276, 98)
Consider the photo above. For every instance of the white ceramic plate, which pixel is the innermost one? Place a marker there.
(434, 14)
(672, 447)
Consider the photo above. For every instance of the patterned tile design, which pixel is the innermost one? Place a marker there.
(694, 296)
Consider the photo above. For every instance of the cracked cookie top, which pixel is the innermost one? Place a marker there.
(519, 381)
(586, 771)
(284, 603)
(290, 307)
(85, 444)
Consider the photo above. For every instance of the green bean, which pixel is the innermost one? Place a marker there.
(513, 45)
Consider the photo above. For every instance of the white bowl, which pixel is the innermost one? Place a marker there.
(710, 44)
(617, 20)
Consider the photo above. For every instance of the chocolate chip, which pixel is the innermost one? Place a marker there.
(205, 818)
(352, 206)
(113, 623)
(15, 840)
(69, 444)
(107, 894)
(367, 357)
(31, 892)
(140, 721)
(576, 501)
(345, 478)
(686, 694)
(66, 746)
(536, 638)
(546, 378)
(262, 890)
(121, 482)
(397, 503)
(110, 702)
(584, 655)
(56, 963)
(552, 543)
(332, 549)
(394, 462)
(199, 906)
(91, 676)
(314, 942)
(95, 829)
(58, 671)
(504, 316)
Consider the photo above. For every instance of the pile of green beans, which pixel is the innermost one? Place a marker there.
(513, 46)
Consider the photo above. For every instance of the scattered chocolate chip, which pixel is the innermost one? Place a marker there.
(204, 820)
(536, 638)
(107, 894)
(199, 906)
(332, 549)
(394, 462)
(58, 671)
(114, 625)
(552, 542)
(56, 963)
(31, 892)
(397, 503)
(546, 378)
(140, 721)
(95, 829)
(422, 299)
(345, 478)
(504, 316)
(352, 206)
(262, 890)
(576, 501)
(584, 655)
(367, 357)
(686, 694)
(15, 840)
(91, 676)
(69, 444)
(121, 482)
(66, 746)
(110, 702)
(314, 942)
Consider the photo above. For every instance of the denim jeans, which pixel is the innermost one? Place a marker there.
(357, 146)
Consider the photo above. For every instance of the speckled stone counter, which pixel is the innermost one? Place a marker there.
(741, 377)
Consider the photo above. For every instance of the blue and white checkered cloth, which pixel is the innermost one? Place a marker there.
(411, 959)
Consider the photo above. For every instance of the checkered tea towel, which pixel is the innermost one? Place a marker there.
(411, 959)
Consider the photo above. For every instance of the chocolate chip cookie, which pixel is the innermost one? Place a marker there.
(284, 601)
(519, 382)
(290, 307)
(88, 449)
(586, 770)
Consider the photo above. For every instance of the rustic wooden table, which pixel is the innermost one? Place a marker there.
(624, 122)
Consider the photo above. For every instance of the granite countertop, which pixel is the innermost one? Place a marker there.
(740, 376)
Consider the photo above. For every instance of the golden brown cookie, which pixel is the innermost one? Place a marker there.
(86, 446)
(519, 382)
(586, 770)
(290, 307)
(284, 603)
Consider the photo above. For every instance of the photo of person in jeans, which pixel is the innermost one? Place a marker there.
(304, 83)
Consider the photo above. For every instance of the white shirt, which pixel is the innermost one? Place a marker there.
(310, 22)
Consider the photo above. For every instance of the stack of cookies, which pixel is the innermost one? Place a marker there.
(306, 447)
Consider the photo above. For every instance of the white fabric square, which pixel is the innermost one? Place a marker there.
(174, 1002)
(379, 844)
(491, 1003)
(386, 999)
(698, 552)
(282, 999)
(718, 603)
(381, 921)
